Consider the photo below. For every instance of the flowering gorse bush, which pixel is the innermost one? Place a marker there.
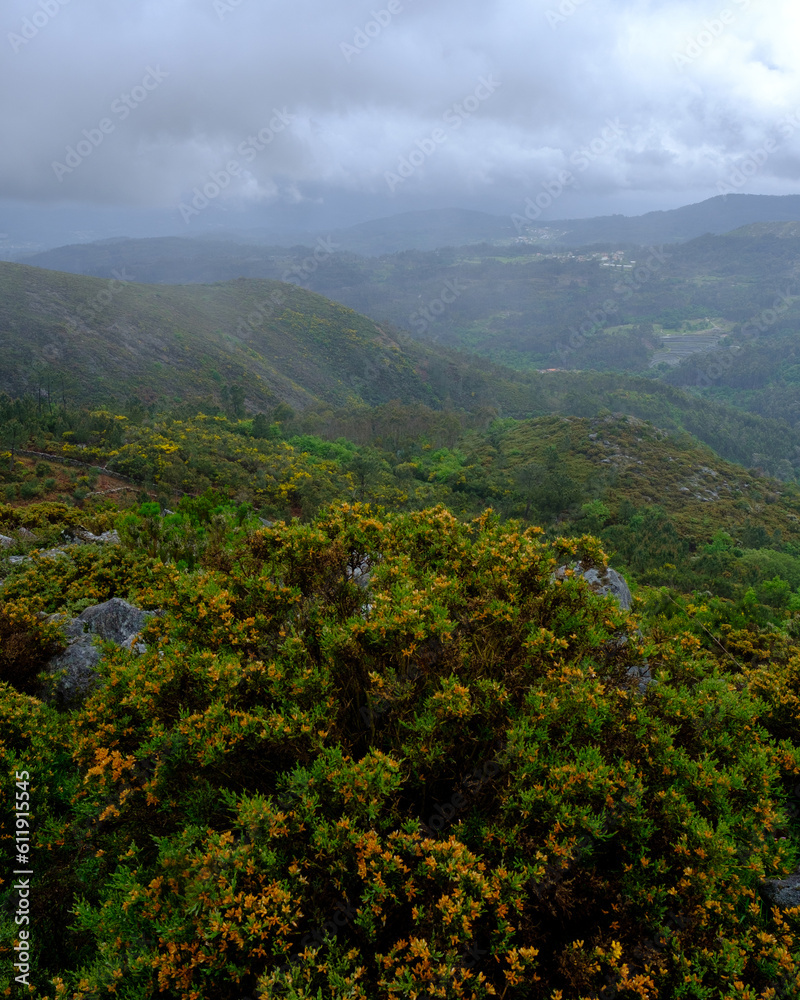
(430, 778)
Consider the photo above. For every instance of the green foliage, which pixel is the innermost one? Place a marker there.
(444, 753)
(310, 787)
(25, 645)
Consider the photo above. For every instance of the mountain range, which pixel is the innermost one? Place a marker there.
(453, 227)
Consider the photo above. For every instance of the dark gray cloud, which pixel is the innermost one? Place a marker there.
(200, 106)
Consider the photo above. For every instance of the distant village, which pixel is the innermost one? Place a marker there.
(535, 237)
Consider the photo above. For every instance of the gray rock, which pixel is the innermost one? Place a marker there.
(641, 676)
(25, 534)
(114, 621)
(360, 574)
(609, 581)
(603, 581)
(782, 892)
(76, 666)
(52, 553)
(82, 535)
(6, 542)
(45, 554)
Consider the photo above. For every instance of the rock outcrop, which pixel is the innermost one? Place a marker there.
(782, 892)
(78, 536)
(603, 581)
(114, 621)
(82, 535)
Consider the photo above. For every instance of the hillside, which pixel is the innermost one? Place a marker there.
(249, 345)
(400, 751)
(108, 340)
(656, 498)
(715, 215)
(524, 306)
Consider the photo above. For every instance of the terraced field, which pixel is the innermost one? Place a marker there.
(676, 347)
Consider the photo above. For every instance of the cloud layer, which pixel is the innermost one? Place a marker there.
(168, 103)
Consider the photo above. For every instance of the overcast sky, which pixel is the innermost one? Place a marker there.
(368, 109)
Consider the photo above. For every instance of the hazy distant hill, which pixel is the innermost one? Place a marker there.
(715, 215)
(166, 260)
(455, 228)
(113, 338)
(425, 231)
(515, 304)
(782, 230)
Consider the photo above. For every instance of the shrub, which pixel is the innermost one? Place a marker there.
(25, 646)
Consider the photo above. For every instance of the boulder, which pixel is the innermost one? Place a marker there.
(608, 581)
(641, 676)
(77, 664)
(6, 542)
(44, 554)
(782, 892)
(106, 538)
(603, 581)
(114, 621)
(82, 535)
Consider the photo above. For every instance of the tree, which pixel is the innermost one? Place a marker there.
(12, 435)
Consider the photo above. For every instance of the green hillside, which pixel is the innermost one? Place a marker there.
(248, 345)
(113, 339)
(438, 778)
(529, 306)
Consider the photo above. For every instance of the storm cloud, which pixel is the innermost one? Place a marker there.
(179, 105)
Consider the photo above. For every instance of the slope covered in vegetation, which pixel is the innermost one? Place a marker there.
(438, 784)
(103, 341)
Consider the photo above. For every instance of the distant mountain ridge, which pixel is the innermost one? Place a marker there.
(718, 215)
(453, 227)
